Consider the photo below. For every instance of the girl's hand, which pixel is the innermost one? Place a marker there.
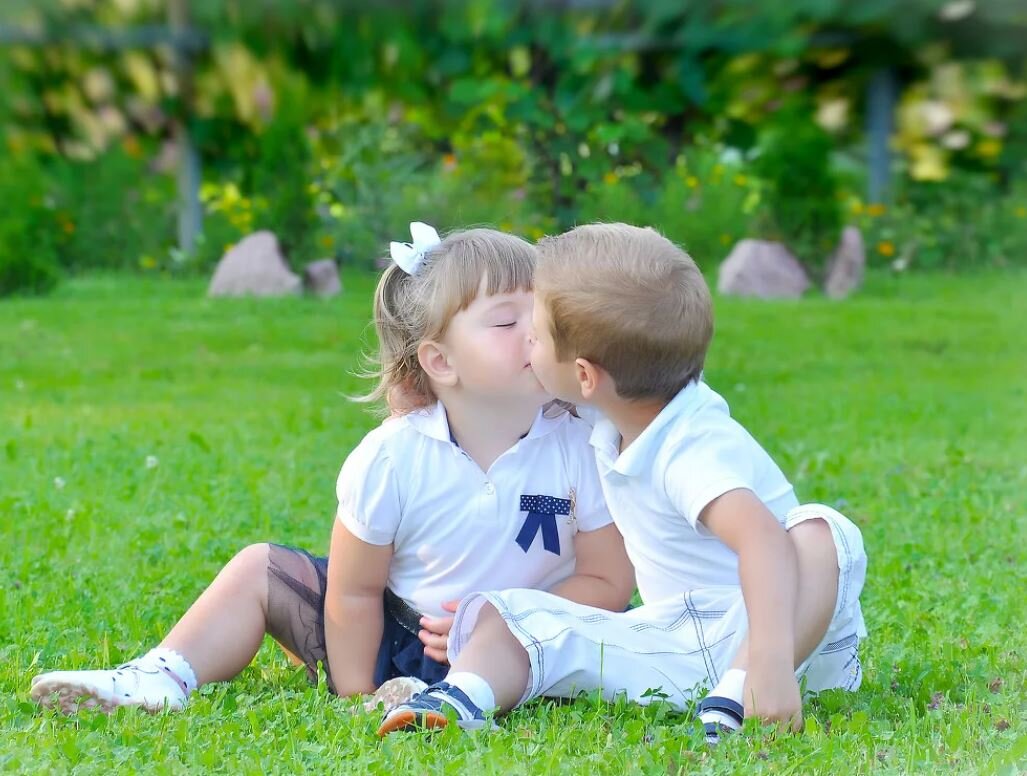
(435, 635)
(772, 695)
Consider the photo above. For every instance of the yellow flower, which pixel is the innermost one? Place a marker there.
(725, 239)
(610, 178)
(131, 146)
(449, 161)
(692, 181)
(327, 241)
(876, 209)
(989, 147)
(885, 248)
(857, 207)
(147, 262)
(741, 180)
(1021, 212)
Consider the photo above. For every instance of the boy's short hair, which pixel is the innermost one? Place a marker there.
(630, 301)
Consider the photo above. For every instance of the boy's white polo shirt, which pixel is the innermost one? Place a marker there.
(453, 527)
(690, 454)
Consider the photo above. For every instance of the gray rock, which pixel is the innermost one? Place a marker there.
(321, 278)
(254, 267)
(847, 265)
(762, 269)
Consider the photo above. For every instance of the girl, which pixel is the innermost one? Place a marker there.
(478, 489)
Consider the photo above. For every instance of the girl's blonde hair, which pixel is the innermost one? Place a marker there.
(409, 309)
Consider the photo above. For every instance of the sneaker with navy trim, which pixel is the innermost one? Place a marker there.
(433, 708)
(719, 716)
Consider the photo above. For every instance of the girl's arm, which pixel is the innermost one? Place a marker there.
(603, 576)
(357, 574)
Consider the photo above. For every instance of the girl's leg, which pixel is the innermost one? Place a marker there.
(214, 640)
(221, 632)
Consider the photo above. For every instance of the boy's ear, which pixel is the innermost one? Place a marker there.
(435, 362)
(590, 377)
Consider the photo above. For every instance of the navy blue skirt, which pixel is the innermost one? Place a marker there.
(297, 585)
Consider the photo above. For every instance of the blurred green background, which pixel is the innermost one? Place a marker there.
(333, 123)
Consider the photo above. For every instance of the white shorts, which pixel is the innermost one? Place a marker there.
(673, 649)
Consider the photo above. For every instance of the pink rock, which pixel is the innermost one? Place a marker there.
(846, 267)
(254, 267)
(321, 278)
(762, 269)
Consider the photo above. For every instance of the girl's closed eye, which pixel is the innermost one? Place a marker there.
(506, 325)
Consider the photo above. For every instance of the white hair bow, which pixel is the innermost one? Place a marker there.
(410, 256)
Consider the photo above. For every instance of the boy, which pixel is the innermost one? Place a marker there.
(743, 590)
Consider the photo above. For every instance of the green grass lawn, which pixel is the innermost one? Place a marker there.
(906, 407)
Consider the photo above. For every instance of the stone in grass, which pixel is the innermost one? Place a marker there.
(847, 265)
(321, 278)
(254, 267)
(762, 269)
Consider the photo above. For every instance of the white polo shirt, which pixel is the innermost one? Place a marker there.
(454, 528)
(656, 489)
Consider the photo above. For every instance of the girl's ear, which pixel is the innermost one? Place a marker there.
(590, 376)
(434, 361)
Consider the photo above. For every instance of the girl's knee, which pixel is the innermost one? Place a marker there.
(251, 560)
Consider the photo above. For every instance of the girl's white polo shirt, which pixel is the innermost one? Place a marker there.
(691, 453)
(456, 529)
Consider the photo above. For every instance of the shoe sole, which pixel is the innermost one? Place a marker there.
(409, 720)
(71, 697)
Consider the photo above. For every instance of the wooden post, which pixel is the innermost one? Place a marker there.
(190, 211)
(882, 92)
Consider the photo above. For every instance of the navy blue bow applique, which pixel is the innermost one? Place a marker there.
(542, 512)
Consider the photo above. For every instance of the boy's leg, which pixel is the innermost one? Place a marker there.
(817, 567)
(496, 656)
(490, 674)
(530, 643)
(216, 638)
(831, 566)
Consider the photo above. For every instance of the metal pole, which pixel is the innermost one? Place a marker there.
(881, 95)
(190, 212)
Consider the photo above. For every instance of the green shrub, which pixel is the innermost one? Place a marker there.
(114, 210)
(800, 188)
(966, 222)
(29, 229)
(705, 204)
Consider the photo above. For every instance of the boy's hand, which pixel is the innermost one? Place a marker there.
(772, 693)
(435, 635)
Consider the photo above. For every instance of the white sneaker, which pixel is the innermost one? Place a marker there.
(126, 685)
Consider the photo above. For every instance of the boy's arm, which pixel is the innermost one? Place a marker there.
(353, 616)
(768, 570)
(603, 576)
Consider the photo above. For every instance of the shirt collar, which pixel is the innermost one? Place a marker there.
(640, 453)
(433, 422)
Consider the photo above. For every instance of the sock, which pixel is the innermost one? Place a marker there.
(172, 667)
(474, 687)
(730, 687)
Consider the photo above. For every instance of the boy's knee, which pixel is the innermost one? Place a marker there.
(813, 536)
